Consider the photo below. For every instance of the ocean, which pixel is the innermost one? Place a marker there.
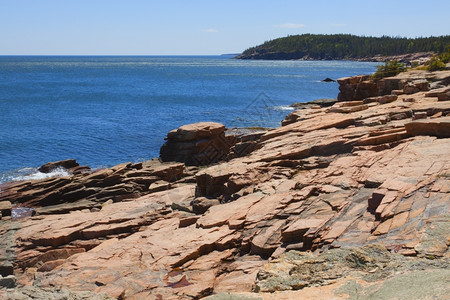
(103, 111)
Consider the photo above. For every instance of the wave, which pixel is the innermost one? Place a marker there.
(31, 174)
(283, 107)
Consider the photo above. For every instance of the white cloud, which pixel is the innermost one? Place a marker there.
(210, 30)
(290, 25)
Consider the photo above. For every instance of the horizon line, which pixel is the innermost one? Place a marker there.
(223, 54)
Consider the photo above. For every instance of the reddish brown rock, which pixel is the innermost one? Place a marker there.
(326, 180)
(90, 190)
(197, 144)
(66, 164)
(444, 96)
(439, 127)
(361, 87)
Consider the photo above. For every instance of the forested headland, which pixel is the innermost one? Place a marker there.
(343, 46)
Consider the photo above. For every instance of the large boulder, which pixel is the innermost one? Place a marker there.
(356, 88)
(51, 166)
(197, 144)
(71, 165)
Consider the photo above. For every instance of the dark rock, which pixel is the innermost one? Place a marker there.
(399, 116)
(419, 115)
(244, 148)
(201, 204)
(8, 282)
(66, 164)
(323, 102)
(5, 208)
(6, 268)
(328, 80)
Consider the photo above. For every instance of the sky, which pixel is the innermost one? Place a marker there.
(200, 27)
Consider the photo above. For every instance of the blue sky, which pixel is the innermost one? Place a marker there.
(189, 27)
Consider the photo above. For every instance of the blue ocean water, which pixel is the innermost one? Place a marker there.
(103, 111)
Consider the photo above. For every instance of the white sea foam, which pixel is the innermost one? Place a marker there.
(58, 172)
(283, 107)
(31, 174)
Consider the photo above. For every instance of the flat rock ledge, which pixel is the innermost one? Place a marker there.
(346, 201)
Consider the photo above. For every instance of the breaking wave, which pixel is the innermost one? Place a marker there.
(283, 107)
(31, 174)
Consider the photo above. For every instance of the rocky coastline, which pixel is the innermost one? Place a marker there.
(418, 58)
(349, 198)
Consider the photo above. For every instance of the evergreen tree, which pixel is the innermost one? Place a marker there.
(343, 46)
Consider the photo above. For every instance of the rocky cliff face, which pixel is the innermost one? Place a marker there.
(343, 201)
(362, 87)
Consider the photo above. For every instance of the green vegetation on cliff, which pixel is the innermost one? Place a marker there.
(343, 46)
(390, 68)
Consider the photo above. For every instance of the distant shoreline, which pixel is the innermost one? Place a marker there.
(346, 47)
(377, 58)
(273, 56)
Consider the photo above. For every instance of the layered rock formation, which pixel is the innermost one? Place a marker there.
(91, 189)
(362, 185)
(361, 87)
(197, 144)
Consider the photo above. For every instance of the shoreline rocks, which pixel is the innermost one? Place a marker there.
(69, 165)
(361, 184)
(89, 190)
(197, 144)
(409, 58)
(411, 82)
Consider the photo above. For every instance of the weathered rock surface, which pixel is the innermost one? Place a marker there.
(355, 188)
(361, 87)
(5, 208)
(197, 144)
(66, 164)
(8, 282)
(363, 273)
(35, 293)
(90, 190)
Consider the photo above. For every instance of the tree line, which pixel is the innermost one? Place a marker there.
(343, 46)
